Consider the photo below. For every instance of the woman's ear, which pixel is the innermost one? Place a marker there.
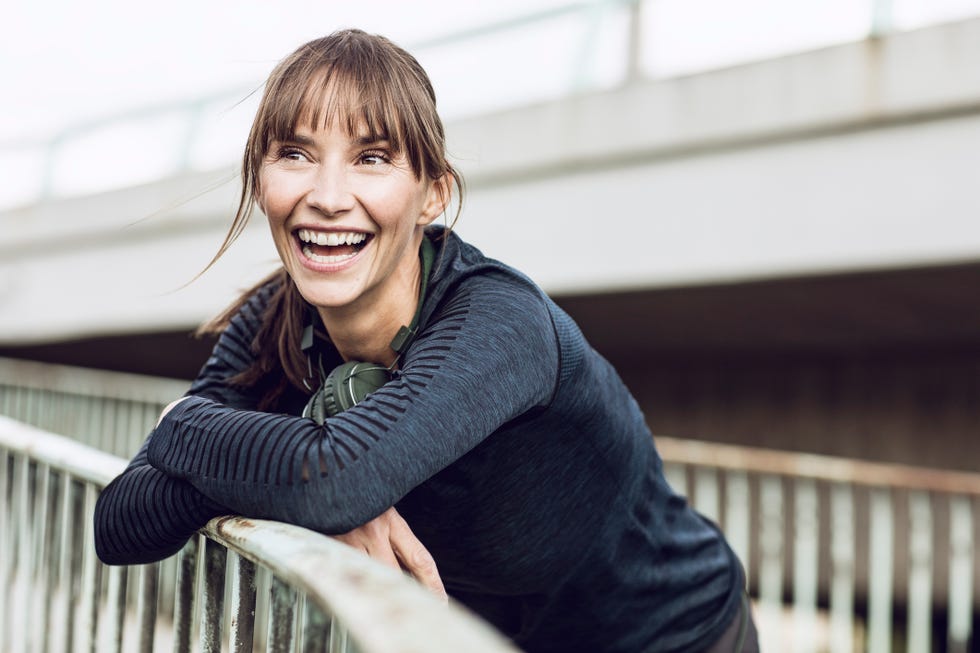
(436, 200)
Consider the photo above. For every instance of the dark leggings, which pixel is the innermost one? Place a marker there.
(740, 636)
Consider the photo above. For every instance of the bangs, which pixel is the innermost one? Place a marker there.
(359, 108)
(363, 105)
(329, 99)
(366, 86)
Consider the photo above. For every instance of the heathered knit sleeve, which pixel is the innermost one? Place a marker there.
(488, 356)
(144, 514)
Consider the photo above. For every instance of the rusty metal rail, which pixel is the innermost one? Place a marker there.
(242, 585)
(867, 554)
(842, 555)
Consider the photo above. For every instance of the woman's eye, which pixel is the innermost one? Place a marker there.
(374, 158)
(292, 154)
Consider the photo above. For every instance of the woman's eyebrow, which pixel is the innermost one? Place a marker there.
(363, 140)
(298, 139)
(371, 140)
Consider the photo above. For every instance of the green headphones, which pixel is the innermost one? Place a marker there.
(352, 381)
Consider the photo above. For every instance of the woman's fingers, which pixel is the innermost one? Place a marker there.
(372, 538)
(414, 557)
(388, 539)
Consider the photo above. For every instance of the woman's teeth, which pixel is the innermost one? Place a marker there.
(331, 238)
(312, 243)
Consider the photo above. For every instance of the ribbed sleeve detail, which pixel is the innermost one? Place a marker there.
(467, 374)
(145, 515)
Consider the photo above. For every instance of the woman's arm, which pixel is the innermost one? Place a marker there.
(487, 358)
(146, 515)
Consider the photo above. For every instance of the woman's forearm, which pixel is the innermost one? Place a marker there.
(145, 515)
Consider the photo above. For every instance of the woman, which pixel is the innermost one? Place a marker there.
(481, 418)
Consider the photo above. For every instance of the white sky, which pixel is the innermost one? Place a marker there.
(63, 62)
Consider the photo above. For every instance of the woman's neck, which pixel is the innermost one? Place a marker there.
(364, 331)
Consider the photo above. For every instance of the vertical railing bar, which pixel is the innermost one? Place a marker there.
(166, 598)
(842, 559)
(263, 591)
(338, 636)
(706, 492)
(41, 525)
(25, 563)
(184, 596)
(6, 545)
(110, 424)
(737, 517)
(213, 593)
(117, 608)
(920, 572)
(31, 406)
(19, 411)
(66, 558)
(676, 476)
(86, 422)
(771, 559)
(282, 617)
(299, 623)
(146, 608)
(53, 581)
(89, 603)
(962, 548)
(805, 565)
(880, 571)
(316, 628)
(243, 606)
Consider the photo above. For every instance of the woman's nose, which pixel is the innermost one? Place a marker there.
(330, 192)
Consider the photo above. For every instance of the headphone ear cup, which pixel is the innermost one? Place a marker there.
(315, 409)
(350, 383)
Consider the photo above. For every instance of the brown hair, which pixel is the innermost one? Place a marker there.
(361, 81)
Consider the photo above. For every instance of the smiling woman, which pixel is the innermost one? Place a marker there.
(467, 433)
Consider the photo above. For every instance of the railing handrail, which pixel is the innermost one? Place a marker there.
(383, 611)
(118, 385)
(81, 461)
(833, 469)
(87, 382)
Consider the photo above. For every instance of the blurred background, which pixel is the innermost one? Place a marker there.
(763, 212)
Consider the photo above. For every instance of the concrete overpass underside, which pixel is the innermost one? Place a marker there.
(783, 253)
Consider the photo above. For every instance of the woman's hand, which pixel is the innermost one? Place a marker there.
(169, 407)
(388, 539)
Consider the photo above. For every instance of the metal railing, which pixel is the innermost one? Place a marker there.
(867, 554)
(242, 585)
(110, 411)
(842, 555)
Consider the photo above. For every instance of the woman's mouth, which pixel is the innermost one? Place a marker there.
(331, 246)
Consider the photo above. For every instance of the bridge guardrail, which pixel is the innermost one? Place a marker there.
(867, 554)
(288, 588)
(842, 555)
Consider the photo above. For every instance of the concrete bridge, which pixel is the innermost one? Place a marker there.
(856, 157)
(783, 253)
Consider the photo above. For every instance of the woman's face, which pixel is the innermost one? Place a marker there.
(346, 214)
